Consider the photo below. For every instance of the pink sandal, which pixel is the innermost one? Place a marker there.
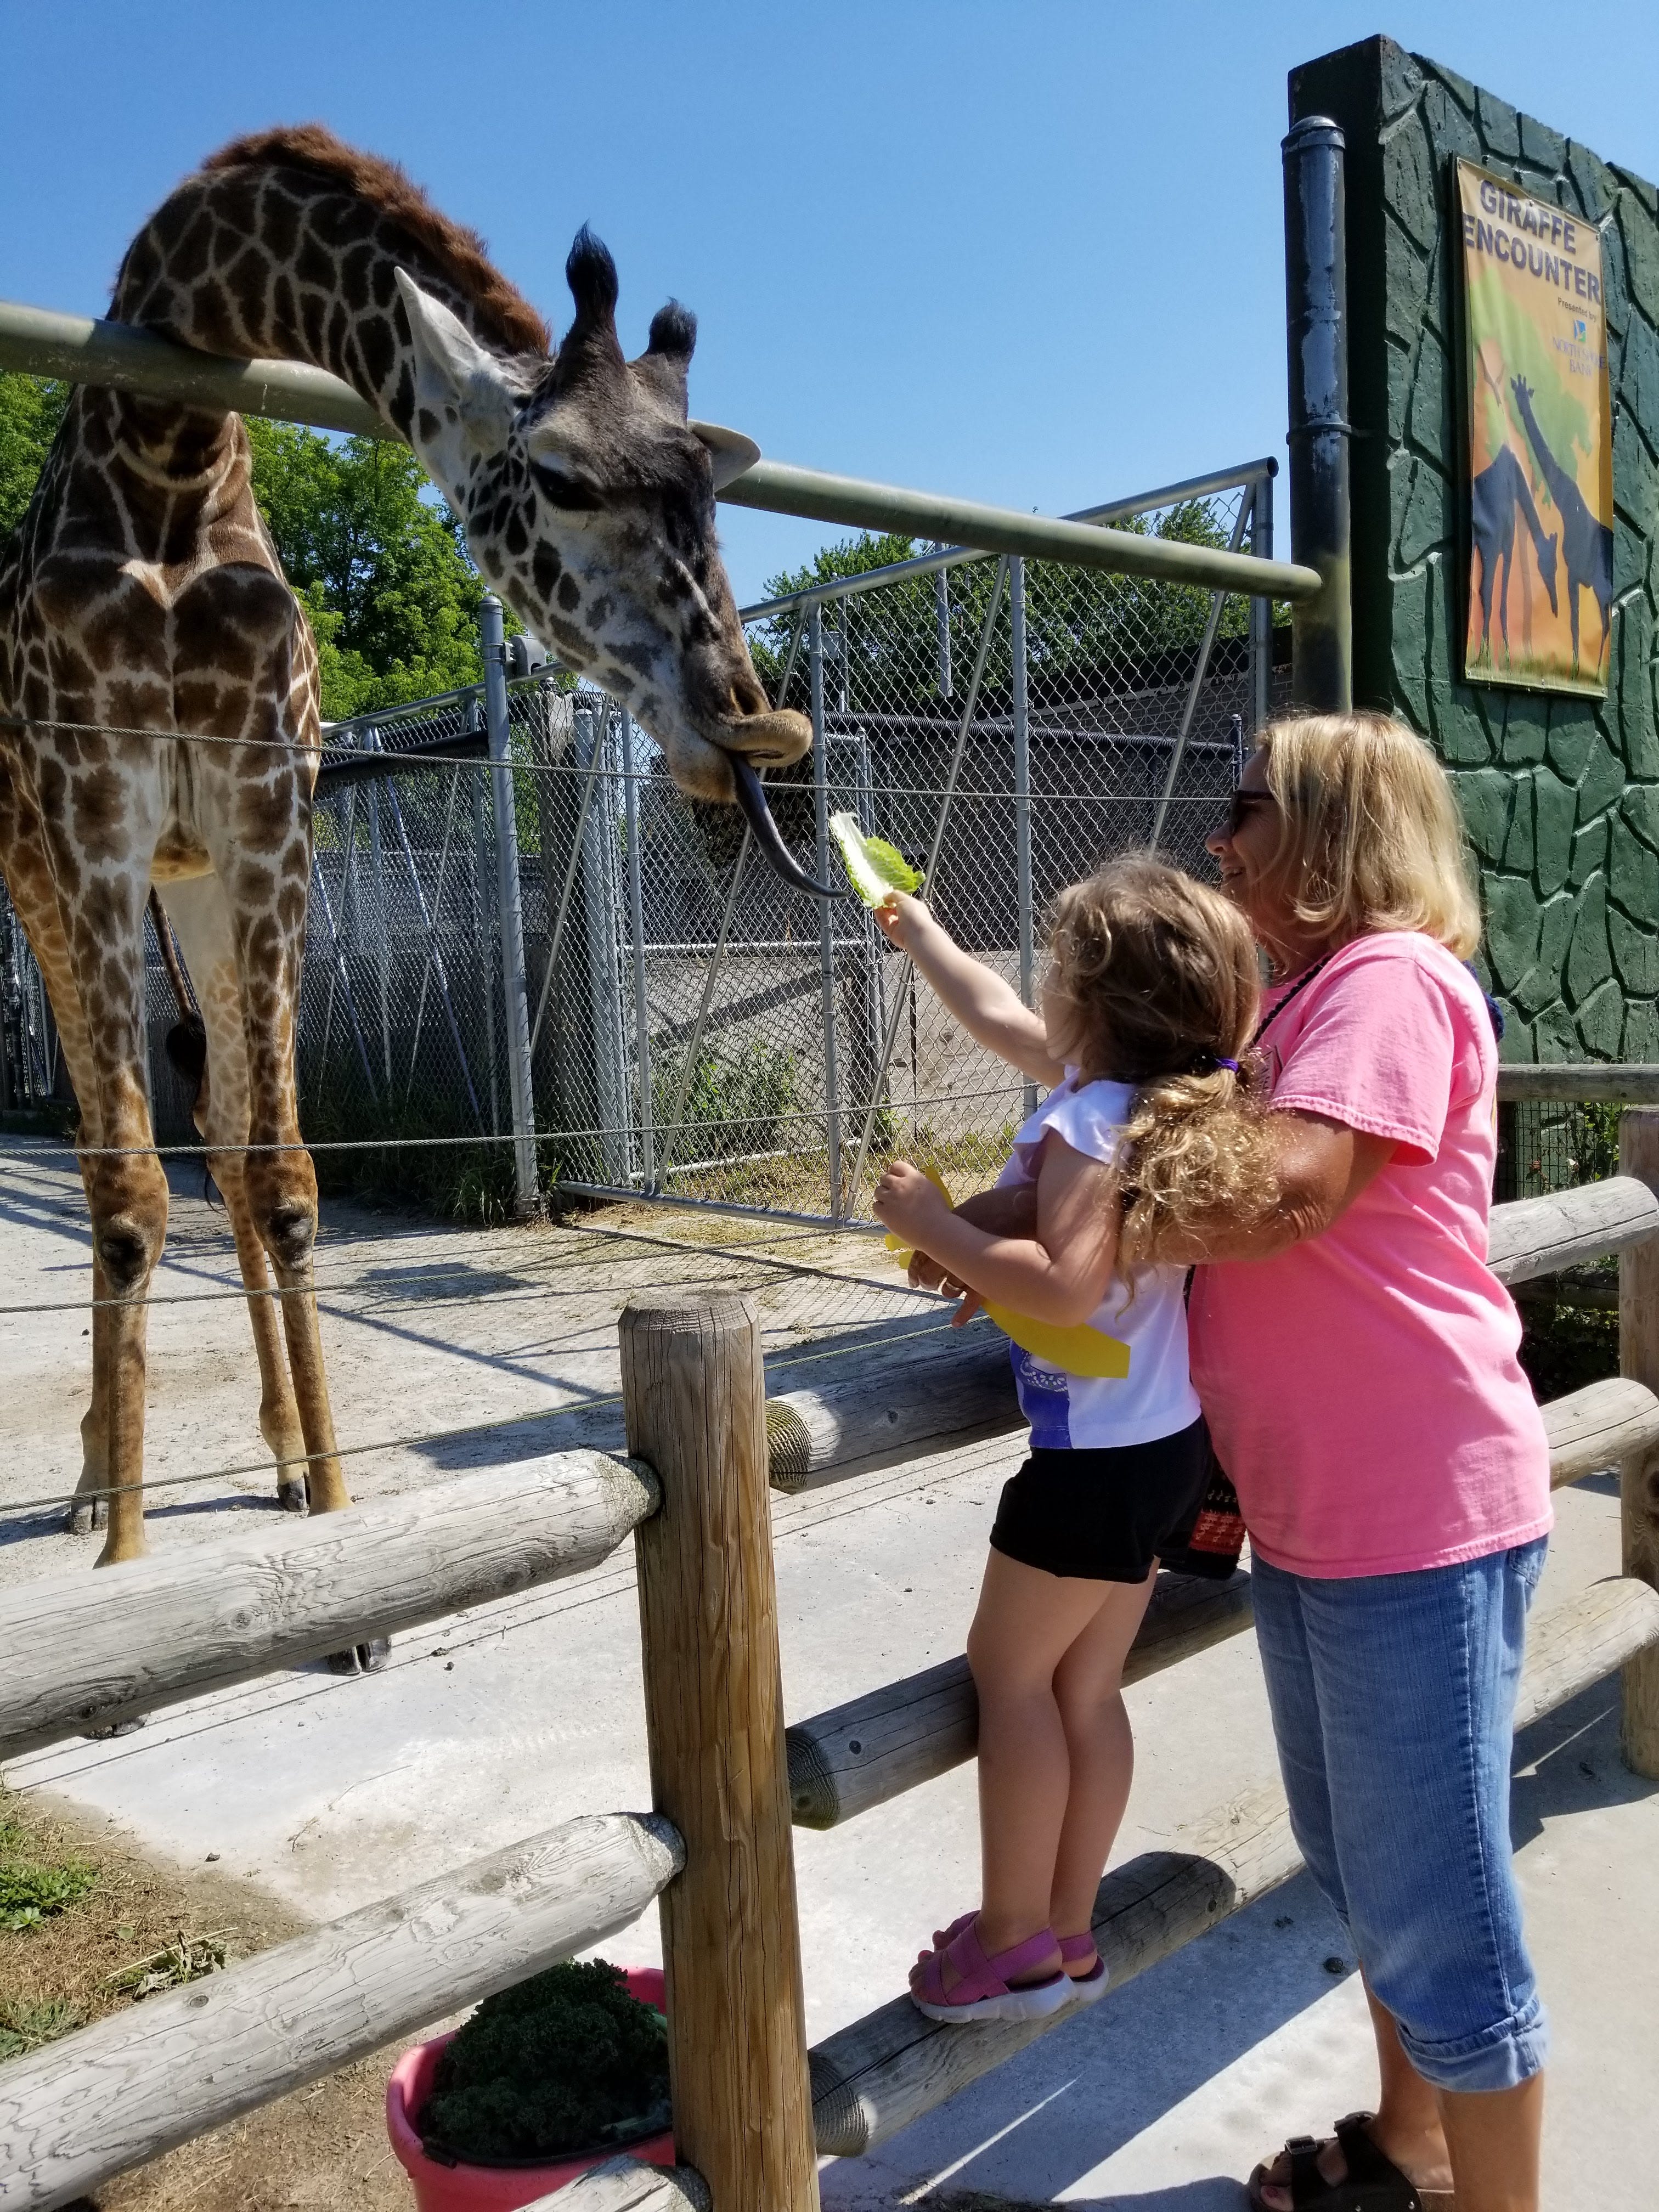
(982, 1991)
(1085, 1988)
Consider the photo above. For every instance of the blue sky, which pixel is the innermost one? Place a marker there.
(1024, 249)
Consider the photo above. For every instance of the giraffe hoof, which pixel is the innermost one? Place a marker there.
(367, 1658)
(129, 1726)
(291, 1495)
(86, 1514)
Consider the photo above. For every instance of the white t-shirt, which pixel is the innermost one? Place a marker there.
(1154, 1397)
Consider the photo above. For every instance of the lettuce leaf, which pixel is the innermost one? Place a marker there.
(874, 868)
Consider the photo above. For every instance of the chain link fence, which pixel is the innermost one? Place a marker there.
(555, 940)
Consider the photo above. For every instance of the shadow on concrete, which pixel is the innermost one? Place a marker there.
(1059, 2110)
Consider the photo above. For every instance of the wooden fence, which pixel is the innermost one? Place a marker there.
(752, 2106)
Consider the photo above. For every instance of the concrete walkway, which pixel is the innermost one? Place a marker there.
(332, 1793)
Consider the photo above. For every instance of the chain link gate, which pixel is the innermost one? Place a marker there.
(527, 949)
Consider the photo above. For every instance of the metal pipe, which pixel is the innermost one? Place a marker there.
(382, 918)
(942, 629)
(636, 933)
(776, 486)
(434, 955)
(927, 564)
(1316, 334)
(717, 951)
(38, 343)
(901, 996)
(826, 947)
(509, 901)
(589, 781)
(1200, 670)
(1022, 791)
(1262, 610)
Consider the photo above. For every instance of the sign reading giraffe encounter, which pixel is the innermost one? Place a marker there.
(1540, 444)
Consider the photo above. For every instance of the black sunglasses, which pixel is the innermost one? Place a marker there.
(1238, 809)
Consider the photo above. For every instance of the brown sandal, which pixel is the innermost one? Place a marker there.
(1373, 2182)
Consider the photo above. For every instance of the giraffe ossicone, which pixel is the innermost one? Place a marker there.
(145, 626)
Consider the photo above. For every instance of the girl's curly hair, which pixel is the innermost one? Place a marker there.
(1163, 973)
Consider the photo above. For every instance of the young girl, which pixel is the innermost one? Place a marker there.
(1149, 1000)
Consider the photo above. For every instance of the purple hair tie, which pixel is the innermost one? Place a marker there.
(1231, 1064)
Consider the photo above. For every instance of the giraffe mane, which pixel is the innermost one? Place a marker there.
(503, 313)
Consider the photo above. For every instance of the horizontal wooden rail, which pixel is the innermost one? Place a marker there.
(855, 1756)
(887, 1398)
(120, 2093)
(843, 1761)
(882, 2072)
(623, 2185)
(81, 1650)
(1540, 1235)
(1616, 1083)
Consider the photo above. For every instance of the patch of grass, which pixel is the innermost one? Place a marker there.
(24, 2027)
(34, 1886)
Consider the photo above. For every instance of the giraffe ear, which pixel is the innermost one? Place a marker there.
(456, 379)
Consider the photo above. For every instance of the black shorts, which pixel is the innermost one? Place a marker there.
(1102, 1515)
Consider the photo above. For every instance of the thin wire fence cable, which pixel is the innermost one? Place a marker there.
(12, 1508)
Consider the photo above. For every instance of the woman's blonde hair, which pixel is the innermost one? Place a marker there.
(1162, 972)
(1370, 837)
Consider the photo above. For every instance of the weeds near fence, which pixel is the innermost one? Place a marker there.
(735, 1101)
(32, 1888)
(25, 2027)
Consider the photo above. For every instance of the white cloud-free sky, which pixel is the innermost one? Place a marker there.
(1029, 251)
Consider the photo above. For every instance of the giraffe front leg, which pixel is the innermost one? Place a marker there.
(279, 1412)
(128, 1198)
(90, 1509)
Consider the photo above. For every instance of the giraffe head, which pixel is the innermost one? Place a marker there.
(588, 502)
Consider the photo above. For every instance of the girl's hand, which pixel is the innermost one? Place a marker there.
(907, 1204)
(901, 920)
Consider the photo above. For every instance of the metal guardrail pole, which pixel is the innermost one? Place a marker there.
(37, 341)
(1202, 669)
(1317, 332)
(509, 901)
(826, 910)
(676, 1124)
(947, 798)
(1022, 791)
(382, 917)
(1261, 609)
(636, 934)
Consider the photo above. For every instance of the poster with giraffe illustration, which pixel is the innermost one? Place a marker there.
(1539, 442)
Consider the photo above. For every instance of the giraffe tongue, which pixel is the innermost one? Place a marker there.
(752, 800)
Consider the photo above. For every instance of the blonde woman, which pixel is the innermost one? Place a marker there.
(1360, 1382)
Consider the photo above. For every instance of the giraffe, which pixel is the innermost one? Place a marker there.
(159, 720)
(1586, 543)
(1495, 494)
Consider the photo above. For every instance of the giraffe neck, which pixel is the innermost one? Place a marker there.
(269, 256)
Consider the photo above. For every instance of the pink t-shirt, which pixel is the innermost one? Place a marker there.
(1362, 1388)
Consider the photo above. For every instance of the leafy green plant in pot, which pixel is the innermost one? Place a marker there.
(547, 2078)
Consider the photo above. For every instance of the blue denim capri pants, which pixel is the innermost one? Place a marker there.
(1393, 1701)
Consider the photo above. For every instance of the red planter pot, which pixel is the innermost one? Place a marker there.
(494, 2188)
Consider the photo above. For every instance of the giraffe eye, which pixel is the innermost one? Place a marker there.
(564, 491)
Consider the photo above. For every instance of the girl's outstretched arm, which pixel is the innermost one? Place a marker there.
(990, 1010)
(1059, 1275)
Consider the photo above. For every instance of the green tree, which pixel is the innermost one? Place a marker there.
(382, 567)
(30, 411)
(380, 563)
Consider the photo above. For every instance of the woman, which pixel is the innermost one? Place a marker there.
(1361, 1384)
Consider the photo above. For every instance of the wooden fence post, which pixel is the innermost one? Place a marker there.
(1638, 1357)
(694, 1402)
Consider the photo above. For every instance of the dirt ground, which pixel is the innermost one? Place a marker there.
(323, 2147)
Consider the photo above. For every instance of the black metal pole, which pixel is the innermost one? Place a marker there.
(1316, 337)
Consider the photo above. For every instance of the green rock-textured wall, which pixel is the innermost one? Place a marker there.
(1561, 794)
